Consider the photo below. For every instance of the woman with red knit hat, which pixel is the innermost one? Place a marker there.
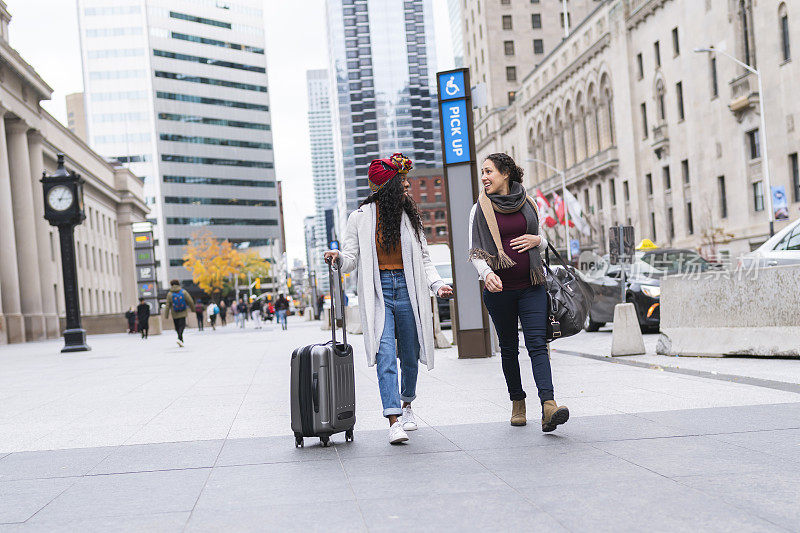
(385, 241)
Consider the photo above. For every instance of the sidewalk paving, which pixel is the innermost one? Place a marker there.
(143, 435)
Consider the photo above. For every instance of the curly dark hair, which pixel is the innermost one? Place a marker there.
(506, 165)
(392, 201)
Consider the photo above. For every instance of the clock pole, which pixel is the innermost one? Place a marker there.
(64, 209)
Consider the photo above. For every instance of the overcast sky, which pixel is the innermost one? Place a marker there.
(45, 33)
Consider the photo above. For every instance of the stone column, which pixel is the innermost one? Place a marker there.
(48, 273)
(127, 261)
(9, 277)
(30, 287)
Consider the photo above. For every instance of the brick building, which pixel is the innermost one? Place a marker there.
(427, 188)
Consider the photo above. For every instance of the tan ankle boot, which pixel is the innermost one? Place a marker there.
(518, 416)
(553, 415)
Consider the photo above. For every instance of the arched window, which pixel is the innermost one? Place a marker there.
(783, 21)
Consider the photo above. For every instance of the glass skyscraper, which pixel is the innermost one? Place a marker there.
(383, 64)
(177, 90)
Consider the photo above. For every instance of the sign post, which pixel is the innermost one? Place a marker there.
(145, 259)
(471, 328)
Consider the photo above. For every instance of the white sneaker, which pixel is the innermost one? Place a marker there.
(408, 420)
(180, 343)
(396, 434)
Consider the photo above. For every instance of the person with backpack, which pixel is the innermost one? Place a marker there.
(282, 309)
(241, 312)
(179, 301)
(386, 242)
(143, 315)
(505, 248)
(199, 309)
(213, 312)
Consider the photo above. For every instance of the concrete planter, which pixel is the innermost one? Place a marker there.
(715, 314)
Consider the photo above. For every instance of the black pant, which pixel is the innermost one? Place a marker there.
(180, 325)
(199, 321)
(529, 306)
(145, 328)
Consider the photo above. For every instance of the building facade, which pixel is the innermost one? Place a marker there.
(651, 134)
(427, 189)
(177, 90)
(504, 39)
(31, 286)
(76, 115)
(382, 66)
(323, 164)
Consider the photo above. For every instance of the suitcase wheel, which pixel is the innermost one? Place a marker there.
(348, 435)
(326, 441)
(298, 441)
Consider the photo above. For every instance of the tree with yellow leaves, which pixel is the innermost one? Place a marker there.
(211, 262)
(253, 264)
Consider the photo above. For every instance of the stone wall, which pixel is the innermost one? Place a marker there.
(731, 313)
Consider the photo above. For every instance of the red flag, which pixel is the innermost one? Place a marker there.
(545, 211)
(558, 204)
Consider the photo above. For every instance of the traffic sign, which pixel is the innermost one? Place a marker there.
(456, 132)
(451, 85)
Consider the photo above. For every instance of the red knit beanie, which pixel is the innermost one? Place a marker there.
(382, 170)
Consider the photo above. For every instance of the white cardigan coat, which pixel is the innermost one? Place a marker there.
(359, 251)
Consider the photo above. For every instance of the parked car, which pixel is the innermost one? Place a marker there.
(783, 248)
(642, 284)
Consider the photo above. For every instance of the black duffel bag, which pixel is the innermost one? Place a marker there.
(569, 299)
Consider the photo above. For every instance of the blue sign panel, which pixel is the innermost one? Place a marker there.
(456, 135)
(451, 86)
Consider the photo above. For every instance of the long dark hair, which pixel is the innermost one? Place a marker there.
(392, 201)
(506, 165)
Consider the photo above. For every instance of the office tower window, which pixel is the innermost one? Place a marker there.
(507, 24)
(538, 46)
(640, 65)
(613, 187)
(689, 219)
(676, 46)
(723, 197)
(667, 178)
(793, 167)
(758, 196)
(599, 190)
(657, 53)
(679, 96)
(509, 47)
(653, 225)
(511, 73)
(714, 82)
(670, 223)
(536, 21)
(649, 183)
(754, 144)
(685, 171)
(785, 48)
(643, 107)
(626, 191)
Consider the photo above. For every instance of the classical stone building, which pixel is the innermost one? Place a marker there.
(652, 134)
(30, 270)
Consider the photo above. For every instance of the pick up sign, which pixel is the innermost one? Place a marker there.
(453, 115)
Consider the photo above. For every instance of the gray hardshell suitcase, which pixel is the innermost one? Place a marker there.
(323, 392)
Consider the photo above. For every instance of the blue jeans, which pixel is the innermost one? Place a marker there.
(401, 326)
(282, 318)
(529, 307)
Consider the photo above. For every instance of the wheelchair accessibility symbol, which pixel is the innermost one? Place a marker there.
(450, 88)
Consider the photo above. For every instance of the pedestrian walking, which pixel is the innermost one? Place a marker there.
(213, 312)
(255, 314)
(143, 315)
(179, 301)
(223, 312)
(281, 310)
(270, 311)
(318, 309)
(130, 315)
(199, 310)
(241, 313)
(505, 248)
(385, 241)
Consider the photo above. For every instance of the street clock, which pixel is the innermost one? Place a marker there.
(63, 196)
(63, 207)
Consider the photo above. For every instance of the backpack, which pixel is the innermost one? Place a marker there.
(178, 301)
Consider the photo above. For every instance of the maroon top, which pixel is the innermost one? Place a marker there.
(513, 225)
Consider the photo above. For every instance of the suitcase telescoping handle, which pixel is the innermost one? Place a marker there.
(338, 289)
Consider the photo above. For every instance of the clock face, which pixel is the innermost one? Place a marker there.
(60, 197)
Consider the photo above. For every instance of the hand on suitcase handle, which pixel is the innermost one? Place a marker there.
(332, 257)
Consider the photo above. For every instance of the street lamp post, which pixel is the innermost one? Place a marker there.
(563, 200)
(767, 181)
